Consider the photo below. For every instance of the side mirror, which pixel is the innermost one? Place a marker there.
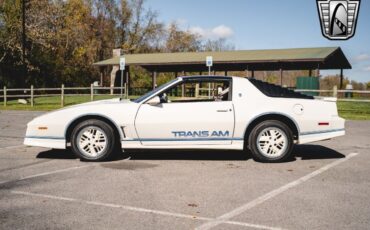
(219, 90)
(154, 101)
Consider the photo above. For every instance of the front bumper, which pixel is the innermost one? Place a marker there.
(47, 142)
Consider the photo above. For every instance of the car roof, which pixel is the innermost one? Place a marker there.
(205, 77)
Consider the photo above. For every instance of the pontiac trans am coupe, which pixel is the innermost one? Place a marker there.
(194, 112)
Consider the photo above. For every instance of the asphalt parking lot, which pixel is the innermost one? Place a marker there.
(326, 185)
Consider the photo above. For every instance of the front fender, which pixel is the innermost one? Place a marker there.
(55, 124)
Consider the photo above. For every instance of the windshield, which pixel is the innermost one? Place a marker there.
(154, 91)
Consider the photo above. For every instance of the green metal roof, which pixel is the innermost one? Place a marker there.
(240, 59)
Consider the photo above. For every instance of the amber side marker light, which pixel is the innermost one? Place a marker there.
(43, 128)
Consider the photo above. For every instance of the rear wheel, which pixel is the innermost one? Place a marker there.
(271, 141)
(93, 140)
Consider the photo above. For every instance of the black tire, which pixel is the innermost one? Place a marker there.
(112, 142)
(257, 150)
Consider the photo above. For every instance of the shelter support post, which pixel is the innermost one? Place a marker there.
(252, 74)
(318, 71)
(154, 79)
(225, 72)
(183, 86)
(177, 88)
(183, 90)
(127, 81)
(281, 76)
(310, 72)
(101, 78)
(341, 79)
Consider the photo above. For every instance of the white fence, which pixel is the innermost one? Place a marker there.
(32, 93)
(341, 95)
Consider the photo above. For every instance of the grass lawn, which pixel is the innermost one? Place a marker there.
(354, 110)
(347, 110)
(52, 103)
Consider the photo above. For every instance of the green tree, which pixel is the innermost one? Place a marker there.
(181, 41)
(139, 29)
(10, 41)
(65, 37)
(218, 45)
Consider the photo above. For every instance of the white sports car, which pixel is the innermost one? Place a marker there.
(196, 112)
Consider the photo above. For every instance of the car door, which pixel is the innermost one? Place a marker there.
(186, 123)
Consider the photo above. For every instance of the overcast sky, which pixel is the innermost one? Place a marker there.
(266, 24)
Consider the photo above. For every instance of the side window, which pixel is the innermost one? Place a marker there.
(198, 91)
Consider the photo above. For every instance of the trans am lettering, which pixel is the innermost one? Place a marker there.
(200, 133)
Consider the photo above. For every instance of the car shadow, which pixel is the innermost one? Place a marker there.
(211, 155)
(67, 154)
(155, 154)
(312, 152)
(62, 154)
(304, 152)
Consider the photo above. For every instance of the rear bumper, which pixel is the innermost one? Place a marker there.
(320, 135)
(47, 142)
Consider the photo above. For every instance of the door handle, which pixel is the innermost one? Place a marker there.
(223, 110)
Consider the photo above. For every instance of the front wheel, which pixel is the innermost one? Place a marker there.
(271, 141)
(93, 140)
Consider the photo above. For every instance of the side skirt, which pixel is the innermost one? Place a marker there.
(236, 145)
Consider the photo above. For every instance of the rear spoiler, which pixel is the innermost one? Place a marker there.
(332, 99)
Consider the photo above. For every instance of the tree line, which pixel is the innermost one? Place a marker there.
(64, 37)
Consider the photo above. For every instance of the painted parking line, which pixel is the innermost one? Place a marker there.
(12, 147)
(22, 166)
(22, 114)
(90, 164)
(47, 173)
(11, 137)
(233, 213)
(138, 209)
